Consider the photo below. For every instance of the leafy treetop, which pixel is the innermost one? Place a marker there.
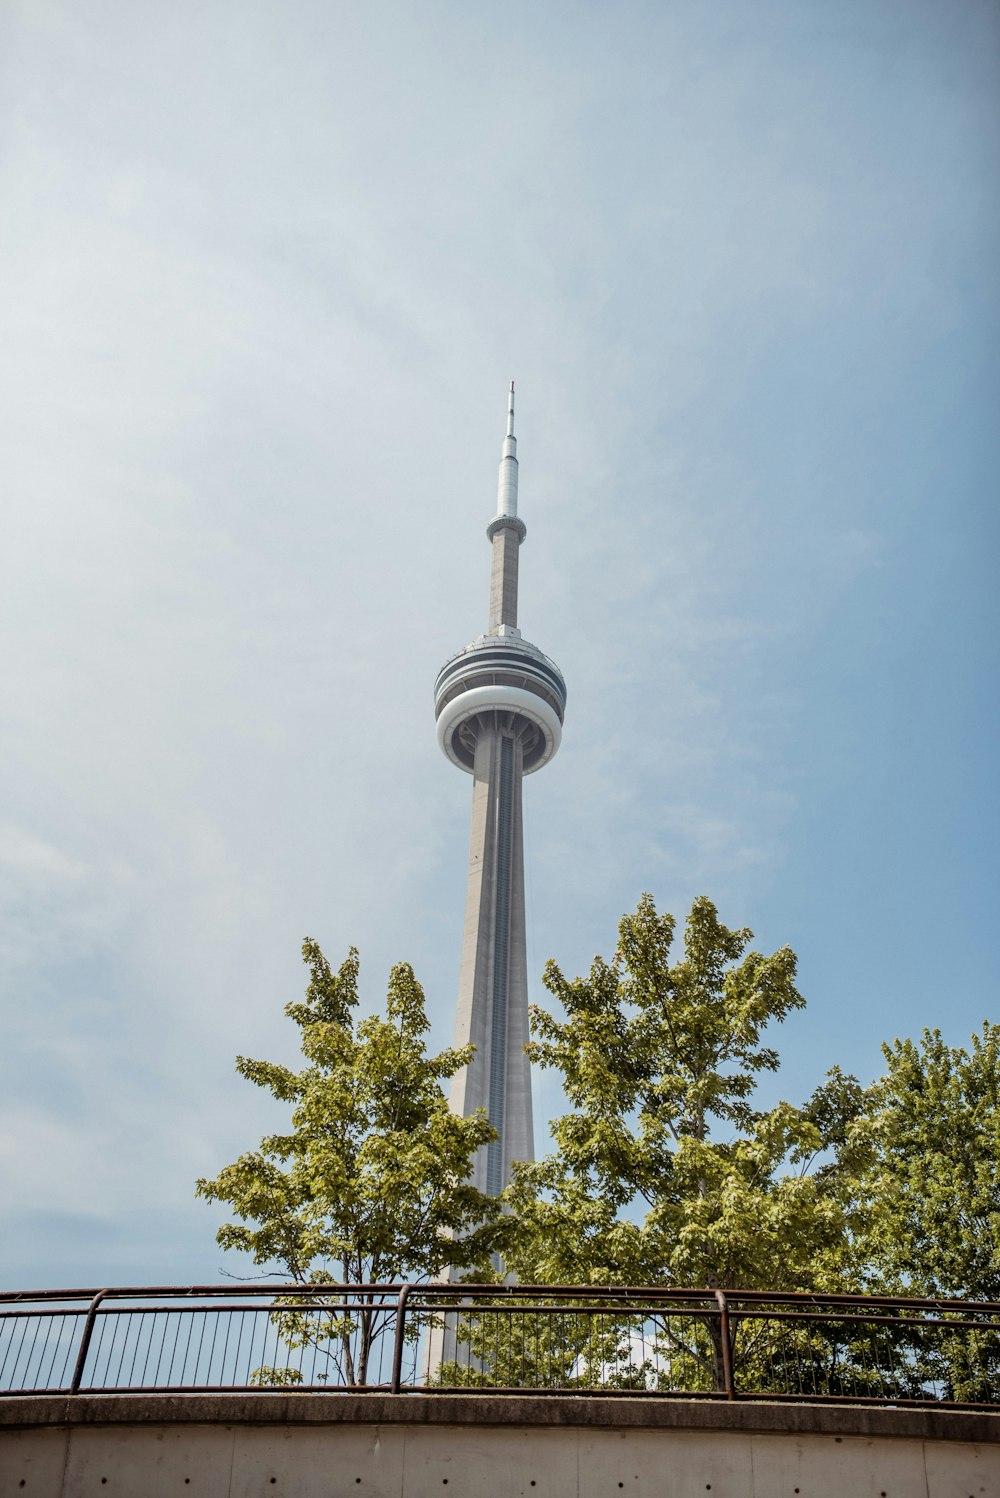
(370, 1184)
(928, 1220)
(665, 1172)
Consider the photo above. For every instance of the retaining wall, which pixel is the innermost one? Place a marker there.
(276, 1445)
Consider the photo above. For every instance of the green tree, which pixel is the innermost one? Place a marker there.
(370, 1185)
(929, 1195)
(665, 1173)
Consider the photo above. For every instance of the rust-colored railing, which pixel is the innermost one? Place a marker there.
(712, 1344)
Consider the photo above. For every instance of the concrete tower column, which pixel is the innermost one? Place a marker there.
(493, 976)
(503, 579)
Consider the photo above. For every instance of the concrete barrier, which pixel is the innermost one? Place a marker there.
(264, 1445)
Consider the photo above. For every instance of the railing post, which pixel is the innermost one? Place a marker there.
(727, 1345)
(397, 1351)
(88, 1332)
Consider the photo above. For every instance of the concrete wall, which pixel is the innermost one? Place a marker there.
(413, 1446)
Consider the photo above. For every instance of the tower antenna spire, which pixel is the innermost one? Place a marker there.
(507, 481)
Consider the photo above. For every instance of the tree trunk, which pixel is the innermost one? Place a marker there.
(717, 1339)
(718, 1359)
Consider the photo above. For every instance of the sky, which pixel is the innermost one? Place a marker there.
(266, 270)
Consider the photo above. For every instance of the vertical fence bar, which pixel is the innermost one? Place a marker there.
(88, 1332)
(397, 1350)
(727, 1345)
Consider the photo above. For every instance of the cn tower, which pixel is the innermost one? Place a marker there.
(499, 706)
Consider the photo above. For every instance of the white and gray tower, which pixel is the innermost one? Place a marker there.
(499, 705)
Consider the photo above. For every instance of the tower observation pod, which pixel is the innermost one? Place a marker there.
(499, 706)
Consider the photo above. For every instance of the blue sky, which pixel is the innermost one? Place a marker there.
(266, 270)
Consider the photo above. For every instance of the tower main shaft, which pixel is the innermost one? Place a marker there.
(499, 705)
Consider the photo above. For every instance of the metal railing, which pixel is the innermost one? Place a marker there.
(502, 1339)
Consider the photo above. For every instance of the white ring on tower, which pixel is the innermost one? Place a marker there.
(500, 699)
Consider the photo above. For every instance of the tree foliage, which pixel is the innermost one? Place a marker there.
(370, 1184)
(665, 1172)
(929, 1190)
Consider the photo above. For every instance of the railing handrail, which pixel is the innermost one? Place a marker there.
(438, 1290)
(588, 1338)
(177, 1292)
